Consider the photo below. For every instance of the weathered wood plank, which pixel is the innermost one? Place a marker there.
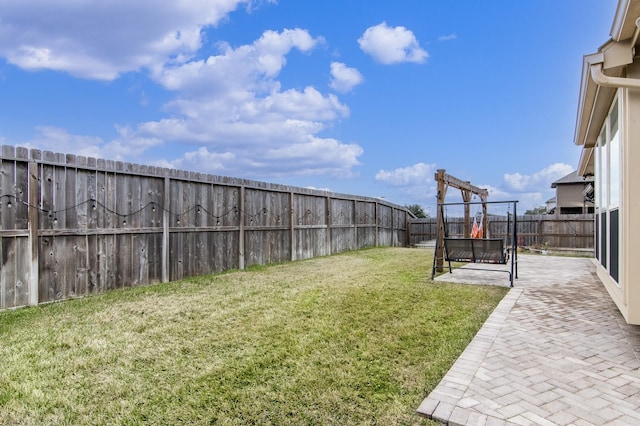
(7, 193)
(8, 272)
(70, 203)
(23, 270)
(66, 266)
(51, 285)
(78, 274)
(93, 256)
(21, 191)
(155, 257)
(108, 275)
(140, 260)
(176, 254)
(124, 262)
(342, 239)
(59, 202)
(83, 196)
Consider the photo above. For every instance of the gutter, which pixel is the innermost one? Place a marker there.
(604, 80)
(615, 59)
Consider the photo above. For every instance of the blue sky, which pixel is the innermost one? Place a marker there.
(358, 97)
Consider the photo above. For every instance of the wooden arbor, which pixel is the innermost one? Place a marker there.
(444, 182)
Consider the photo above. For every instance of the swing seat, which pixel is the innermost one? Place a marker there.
(475, 250)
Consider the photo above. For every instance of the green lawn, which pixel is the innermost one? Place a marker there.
(356, 338)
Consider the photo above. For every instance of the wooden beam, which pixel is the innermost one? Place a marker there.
(460, 184)
(443, 181)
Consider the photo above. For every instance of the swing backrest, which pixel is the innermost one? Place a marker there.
(476, 250)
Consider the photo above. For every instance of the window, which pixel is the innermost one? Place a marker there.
(608, 178)
(614, 159)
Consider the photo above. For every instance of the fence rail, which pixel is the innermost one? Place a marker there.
(71, 226)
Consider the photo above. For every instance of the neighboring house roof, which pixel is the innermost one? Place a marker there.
(572, 178)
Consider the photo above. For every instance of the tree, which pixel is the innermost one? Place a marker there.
(417, 210)
(537, 210)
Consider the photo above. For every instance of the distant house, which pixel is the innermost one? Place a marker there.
(574, 195)
(551, 205)
(608, 130)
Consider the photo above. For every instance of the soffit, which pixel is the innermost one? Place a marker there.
(594, 103)
(586, 165)
(624, 22)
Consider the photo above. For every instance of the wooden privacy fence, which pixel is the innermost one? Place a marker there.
(72, 226)
(574, 231)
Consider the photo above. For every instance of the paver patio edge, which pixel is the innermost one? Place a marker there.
(440, 403)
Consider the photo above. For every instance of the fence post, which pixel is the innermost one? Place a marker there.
(355, 226)
(394, 236)
(328, 219)
(377, 218)
(165, 229)
(293, 226)
(241, 231)
(34, 273)
(407, 235)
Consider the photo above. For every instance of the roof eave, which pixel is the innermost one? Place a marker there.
(588, 94)
(623, 27)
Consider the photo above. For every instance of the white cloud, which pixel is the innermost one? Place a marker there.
(229, 108)
(539, 181)
(448, 37)
(250, 67)
(392, 45)
(203, 160)
(102, 40)
(55, 139)
(344, 78)
(414, 182)
(317, 156)
(233, 102)
(412, 175)
(125, 147)
(533, 190)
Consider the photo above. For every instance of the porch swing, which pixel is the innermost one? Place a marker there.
(478, 247)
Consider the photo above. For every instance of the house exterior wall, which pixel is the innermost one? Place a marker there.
(611, 77)
(630, 229)
(609, 216)
(570, 196)
(625, 288)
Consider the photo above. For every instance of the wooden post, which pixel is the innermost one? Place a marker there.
(355, 226)
(293, 226)
(485, 222)
(442, 192)
(241, 231)
(444, 181)
(466, 197)
(394, 237)
(165, 229)
(407, 230)
(328, 219)
(34, 275)
(377, 219)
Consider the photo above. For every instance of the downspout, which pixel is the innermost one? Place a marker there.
(604, 80)
(601, 79)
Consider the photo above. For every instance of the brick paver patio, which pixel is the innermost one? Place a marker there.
(556, 351)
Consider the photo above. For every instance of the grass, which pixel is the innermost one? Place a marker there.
(356, 338)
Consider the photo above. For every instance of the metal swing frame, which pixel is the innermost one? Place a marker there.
(478, 250)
